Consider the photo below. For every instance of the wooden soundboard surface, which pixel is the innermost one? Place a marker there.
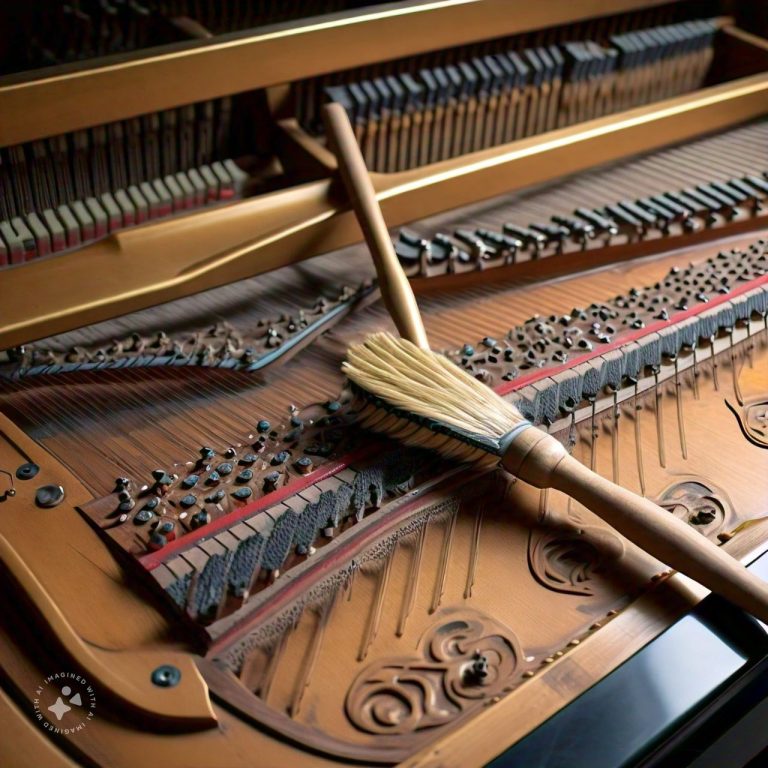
(301, 674)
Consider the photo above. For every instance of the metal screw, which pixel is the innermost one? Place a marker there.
(166, 676)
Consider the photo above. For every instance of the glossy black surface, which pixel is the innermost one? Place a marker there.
(693, 696)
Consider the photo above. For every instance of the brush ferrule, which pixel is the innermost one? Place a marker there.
(534, 457)
(506, 440)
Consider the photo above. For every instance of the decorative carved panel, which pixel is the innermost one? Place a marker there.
(568, 561)
(700, 503)
(752, 418)
(461, 661)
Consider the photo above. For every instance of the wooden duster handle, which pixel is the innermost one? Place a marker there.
(395, 288)
(541, 460)
(664, 536)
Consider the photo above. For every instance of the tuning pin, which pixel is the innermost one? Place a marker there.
(127, 503)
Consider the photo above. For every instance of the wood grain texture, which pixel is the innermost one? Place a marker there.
(554, 552)
(608, 569)
(572, 674)
(536, 556)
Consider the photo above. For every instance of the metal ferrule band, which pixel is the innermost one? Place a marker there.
(506, 440)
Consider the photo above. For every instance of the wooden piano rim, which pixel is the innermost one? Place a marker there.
(151, 81)
(214, 247)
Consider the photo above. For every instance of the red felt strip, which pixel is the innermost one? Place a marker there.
(154, 559)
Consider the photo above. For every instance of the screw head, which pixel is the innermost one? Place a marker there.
(166, 676)
(27, 471)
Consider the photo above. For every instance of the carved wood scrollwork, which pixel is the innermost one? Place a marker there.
(752, 418)
(462, 661)
(699, 503)
(565, 563)
(566, 559)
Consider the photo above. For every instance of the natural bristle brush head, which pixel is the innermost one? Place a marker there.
(422, 398)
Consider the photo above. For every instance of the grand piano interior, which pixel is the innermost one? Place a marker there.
(206, 563)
